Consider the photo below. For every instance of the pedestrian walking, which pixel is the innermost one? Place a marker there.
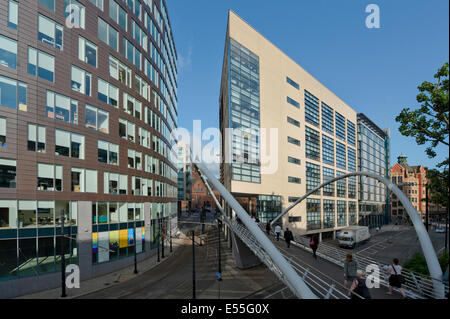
(314, 244)
(278, 231)
(395, 277)
(288, 236)
(350, 270)
(268, 228)
(359, 286)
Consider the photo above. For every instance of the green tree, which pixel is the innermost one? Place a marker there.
(430, 125)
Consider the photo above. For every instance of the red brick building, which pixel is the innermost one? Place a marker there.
(200, 194)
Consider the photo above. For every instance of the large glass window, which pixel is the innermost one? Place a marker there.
(97, 119)
(313, 220)
(87, 51)
(108, 93)
(62, 108)
(352, 187)
(115, 184)
(312, 177)
(36, 138)
(108, 153)
(312, 144)
(49, 177)
(352, 214)
(341, 213)
(108, 34)
(127, 130)
(81, 81)
(50, 32)
(97, 3)
(13, 94)
(351, 159)
(69, 144)
(341, 160)
(311, 109)
(328, 174)
(41, 64)
(327, 150)
(118, 14)
(327, 119)
(76, 11)
(134, 159)
(48, 3)
(13, 14)
(8, 52)
(351, 133)
(341, 186)
(8, 173)
(119, 71)
(328, 213)
(340, 126)
(84, 180)
(132, 106)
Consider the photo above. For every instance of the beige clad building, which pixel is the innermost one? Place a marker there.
(262, 88)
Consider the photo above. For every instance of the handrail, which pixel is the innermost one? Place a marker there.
(424, 239)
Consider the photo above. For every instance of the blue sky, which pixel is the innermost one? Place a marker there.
(375, 71)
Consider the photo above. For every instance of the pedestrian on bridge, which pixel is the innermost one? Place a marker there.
(395, 277)
(278, 231)
(359, 287)
(314, 244)
(288, 236)
(350, 270)
(268, 228)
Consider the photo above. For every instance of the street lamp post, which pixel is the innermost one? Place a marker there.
(135, 249)
(162, 240)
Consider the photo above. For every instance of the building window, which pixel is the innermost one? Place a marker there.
(312, 144)
(293, 102)
(293, 122)
(313, 208)
(8, 173)
(8, 52)
(76, 11)
(327, 119)
(352, 187)
(41, 64)
(294, 180)
(311, 109)
(84, 180)
(2, 132)
(132, 106)
(341, 186)
(342, 213)
(351, 133)
(351, 159)
(294, 160)
(119, 71)
(135, 7)
(118, 14)
(81, 81)
(142, 87)
(48, 3)
(36, 138)
(341, 160)
(97, 3)
(108, 93)
(340, 127)
(49, 177)
(87, 51)
(13, 14)
(312, 177)
(108, 153)
(108, 34)
(132, 53)
(134, 159)
(115, 184)
(69, 144)
(13, 94)
(328, 213)
(328, 174)
(97, 119)
(50, 32)
(293, 141)
(127, 130)
(62, 108)
(293, 83)
(144, 138)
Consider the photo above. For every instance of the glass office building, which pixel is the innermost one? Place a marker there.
(374, 157)
(88, 99)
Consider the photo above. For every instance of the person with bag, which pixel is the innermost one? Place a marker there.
(395, 277)
(288, 236)
(350, 270)
(314, 244)
(359, 288)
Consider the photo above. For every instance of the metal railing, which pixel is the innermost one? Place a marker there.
(416, 286)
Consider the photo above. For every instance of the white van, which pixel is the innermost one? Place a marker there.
(352, 236)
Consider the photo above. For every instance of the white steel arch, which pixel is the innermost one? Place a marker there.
(424, 239)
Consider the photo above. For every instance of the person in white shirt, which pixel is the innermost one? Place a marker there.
(278, 231)
(395, 274)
